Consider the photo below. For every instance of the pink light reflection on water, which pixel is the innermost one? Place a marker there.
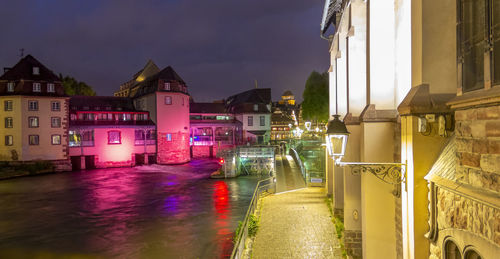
(221, 204)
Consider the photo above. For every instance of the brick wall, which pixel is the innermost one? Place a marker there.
(174, 151)
(478, 147)
(353, 243)
(203, 151)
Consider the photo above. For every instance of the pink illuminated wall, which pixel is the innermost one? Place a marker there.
(172, 120)
(113, 155)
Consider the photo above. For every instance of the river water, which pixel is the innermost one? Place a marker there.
(142, 212)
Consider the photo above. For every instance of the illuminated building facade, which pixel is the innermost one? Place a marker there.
(164, 95)
(34, 115)
(109, 132)
(416, 82)
(253, 109)
(212, 129)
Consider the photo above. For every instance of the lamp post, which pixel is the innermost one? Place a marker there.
(336, 142)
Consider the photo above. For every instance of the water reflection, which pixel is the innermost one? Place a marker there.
(144, 212)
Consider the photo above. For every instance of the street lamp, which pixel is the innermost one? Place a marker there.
(336, 142)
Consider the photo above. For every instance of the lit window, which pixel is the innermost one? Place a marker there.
(33, 122)
(10, 87)
(73, 117)
(33, 139)
(166, 86)
(51, 88)
(33, 105)
(36, 70)
(56, 122)
(56, 139)
(7, 105)
(9, 140)
(168, 100)
(56, 106)
(169, 137)
(9, 122)
(37, 87)
(114, 137)
(262, 121)
(250, 120)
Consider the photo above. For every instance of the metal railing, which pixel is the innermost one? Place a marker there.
(267, 185)
(298, 161)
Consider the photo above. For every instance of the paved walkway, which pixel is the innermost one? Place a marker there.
(296, 224)
(288, 176)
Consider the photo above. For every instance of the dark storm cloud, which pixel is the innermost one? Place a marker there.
(218, 46)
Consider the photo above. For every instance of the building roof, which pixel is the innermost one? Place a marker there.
(332, 7)
(287, 93)
(207, 108)
(24, 70)
(101, 103)
(257, 95)
(150, 84)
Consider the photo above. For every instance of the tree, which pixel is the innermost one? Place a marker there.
(73, 87)
(315, 104)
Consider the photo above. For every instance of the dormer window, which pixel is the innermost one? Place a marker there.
(255, 107)
(36, 70)
(166, 86)
(10, 87)
(51, 88)
(37, 87)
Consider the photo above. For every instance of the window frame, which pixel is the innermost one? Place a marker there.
(262, 120)
(488, 42)
(11, 87)
(37, 137)
(9, 143)
(168, 98)
(250, 121)
(34, 118)
(37, 87)
(119, 137)
(8, 105)
(52, 139)
(57, 107)
(52, 122)
(51, 88)
(9, 125)
(30, 108)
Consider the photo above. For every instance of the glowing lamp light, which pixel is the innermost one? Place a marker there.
(308, 125)
(221, 161)
(336, 138)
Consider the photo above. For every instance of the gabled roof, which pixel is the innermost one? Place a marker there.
(100, 103)
(24, 70)
(255, 96)
(207, 108)
(150, 84)
(149, 69)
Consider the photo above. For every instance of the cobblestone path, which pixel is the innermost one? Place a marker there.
(296, 224)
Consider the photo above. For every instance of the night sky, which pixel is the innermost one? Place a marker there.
(219, 47)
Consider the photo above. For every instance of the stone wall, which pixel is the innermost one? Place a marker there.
(353, 243)
(203, 151)
(173, 151)
(457, 212)
(478, 147)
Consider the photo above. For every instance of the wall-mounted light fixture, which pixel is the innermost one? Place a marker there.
(336, 142)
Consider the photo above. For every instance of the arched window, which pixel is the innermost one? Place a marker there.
(472, 254)
(451, 250)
